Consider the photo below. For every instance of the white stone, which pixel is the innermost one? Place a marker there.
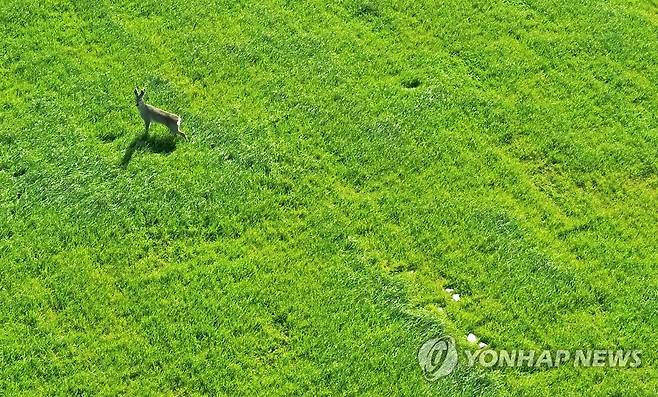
(450, 290)
(455, 297)
(482, 345)
(472, 338)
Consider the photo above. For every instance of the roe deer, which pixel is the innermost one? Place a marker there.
(151, 113)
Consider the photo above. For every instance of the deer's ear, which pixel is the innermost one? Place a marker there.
(135, 91)
(143, 92)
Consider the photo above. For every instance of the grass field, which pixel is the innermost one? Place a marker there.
(348, 161)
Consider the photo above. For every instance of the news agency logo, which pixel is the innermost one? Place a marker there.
(438, 357)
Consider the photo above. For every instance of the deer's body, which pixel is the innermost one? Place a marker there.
(152, 114)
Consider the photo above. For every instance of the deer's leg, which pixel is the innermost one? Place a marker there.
(147, 124)
(176, 129)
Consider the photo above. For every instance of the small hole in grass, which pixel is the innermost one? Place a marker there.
(366, 9)
(282, 324)
(411, 83)
(19, 172)
(201, 335)
(6, 139)
(108, 137)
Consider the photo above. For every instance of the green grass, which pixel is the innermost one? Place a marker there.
(347, 162)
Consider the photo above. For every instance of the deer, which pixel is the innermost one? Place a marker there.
(152, 114)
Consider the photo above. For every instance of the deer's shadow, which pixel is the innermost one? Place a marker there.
(149, 143)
